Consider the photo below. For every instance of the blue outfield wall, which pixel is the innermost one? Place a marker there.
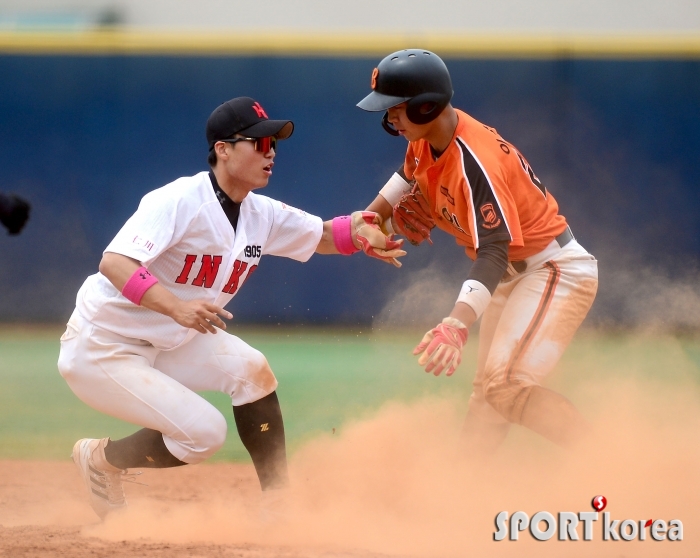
(84, 137)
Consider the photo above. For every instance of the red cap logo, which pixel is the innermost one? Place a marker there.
(259, 110)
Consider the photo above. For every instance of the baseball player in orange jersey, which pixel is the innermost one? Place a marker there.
(531, 280)
(137, 346)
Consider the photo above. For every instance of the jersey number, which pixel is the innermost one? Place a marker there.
(253, 251)
(506, 147)
(528, 169)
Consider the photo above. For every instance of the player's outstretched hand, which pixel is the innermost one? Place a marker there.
(412, 218)
(367, 235)
(441, 348)
(200, 315)
(14, 212)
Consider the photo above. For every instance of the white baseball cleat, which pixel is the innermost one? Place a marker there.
(104, 487)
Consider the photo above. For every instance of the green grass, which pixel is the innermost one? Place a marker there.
(327, 377)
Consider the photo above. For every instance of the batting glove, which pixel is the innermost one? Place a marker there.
(441, 347)
(412, 217)
(374, 243)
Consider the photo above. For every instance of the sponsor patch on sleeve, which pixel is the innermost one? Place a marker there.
(144, 243)
(292, 209)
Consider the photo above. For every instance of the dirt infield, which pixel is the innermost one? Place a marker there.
(391, 485)
(44, 512)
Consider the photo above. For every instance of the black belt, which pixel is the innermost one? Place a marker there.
(514, 268)
(564, 238)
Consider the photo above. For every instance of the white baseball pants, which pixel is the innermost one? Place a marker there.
(526, 327)
(131, 380)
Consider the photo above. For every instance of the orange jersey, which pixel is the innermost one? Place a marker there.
(482, 190)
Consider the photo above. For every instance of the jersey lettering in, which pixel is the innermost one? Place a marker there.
(482, 190)
(181, 233)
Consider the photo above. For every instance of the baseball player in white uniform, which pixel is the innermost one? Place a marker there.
(143, 337)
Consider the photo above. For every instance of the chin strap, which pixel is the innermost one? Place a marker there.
(388, 127)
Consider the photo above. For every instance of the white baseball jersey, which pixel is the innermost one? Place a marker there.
(182, 235)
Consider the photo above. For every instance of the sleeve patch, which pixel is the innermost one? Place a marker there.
(491, 219)
(144, 243)
(292, 209)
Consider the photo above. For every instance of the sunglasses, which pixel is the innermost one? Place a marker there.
(263, 145)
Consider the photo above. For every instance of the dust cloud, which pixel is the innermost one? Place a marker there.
(421, 300)
(649, 297)
(395, 484)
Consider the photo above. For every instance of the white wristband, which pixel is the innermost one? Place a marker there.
(475, 295)
(394, 189)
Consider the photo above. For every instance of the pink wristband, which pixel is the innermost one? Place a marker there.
(138, 284)
(342, 236)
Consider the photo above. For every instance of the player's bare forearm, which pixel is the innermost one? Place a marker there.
(118, 268)
(196, 314)
(326, 245)
(381, 206)
(464, 313)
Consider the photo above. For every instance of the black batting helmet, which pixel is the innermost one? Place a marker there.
(416, 76)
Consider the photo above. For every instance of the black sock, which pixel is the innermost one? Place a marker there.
(144, 449)
(261, 429)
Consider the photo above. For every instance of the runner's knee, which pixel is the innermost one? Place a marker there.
(507, 397)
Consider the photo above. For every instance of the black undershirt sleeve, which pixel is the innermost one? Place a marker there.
(490, 264)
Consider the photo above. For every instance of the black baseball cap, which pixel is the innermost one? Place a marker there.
(244, 115)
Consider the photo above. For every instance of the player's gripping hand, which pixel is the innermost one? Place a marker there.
(411, 217)
(367, 235)
(200, 315)
(441, 348)
(14, 212)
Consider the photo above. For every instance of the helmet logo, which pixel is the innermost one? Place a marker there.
(375, 73)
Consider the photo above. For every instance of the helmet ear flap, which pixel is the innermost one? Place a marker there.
(426, 107)
(387, 126)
